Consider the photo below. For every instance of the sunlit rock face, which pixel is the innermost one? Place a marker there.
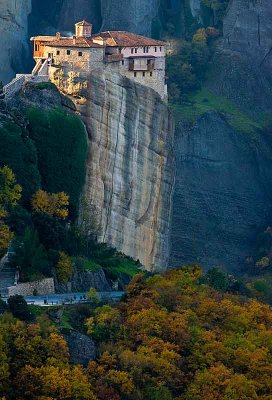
(130, 171)
(14, 37)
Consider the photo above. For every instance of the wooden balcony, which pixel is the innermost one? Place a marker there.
(110, 58)
(144, 65)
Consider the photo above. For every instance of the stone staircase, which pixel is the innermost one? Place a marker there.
(7, 276)
(39, 74)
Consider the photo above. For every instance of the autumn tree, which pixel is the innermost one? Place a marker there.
(55, 204)
(64, 267)
(10, 194)
(93, 296)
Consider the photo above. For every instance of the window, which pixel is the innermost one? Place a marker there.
(146, 49)
(80, 54)
(132, 51)
(136, 51)
(155, 48)
(143, 74)
(58, 52)
(123, 62)
(120, 50)
(68, 52)
(151, 73)
(37, 47)
(135, 74)
(160, 49)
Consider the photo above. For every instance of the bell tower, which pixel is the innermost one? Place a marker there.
(83, 29)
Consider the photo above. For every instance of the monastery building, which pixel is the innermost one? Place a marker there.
(139, 58)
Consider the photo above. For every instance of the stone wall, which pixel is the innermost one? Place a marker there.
(155, 81)
(93, 59)
(44, 286)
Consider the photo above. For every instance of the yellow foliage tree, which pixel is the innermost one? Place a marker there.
(64, 267)
(10, 192)
(200, 36)
(55, 204)
(5, 237)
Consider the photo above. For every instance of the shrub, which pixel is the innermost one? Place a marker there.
(18, 307)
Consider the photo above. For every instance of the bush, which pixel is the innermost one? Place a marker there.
(3, 306)
(18, 307)
(187, 68)
(31, 257)
(64, 268)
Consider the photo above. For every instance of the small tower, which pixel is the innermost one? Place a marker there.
(83, 29)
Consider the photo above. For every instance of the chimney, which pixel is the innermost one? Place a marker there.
(58, 35)
(74, 39)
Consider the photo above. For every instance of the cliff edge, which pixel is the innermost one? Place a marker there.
(130, 168)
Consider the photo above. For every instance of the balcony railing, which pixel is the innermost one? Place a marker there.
(109, 58)
(146, 66)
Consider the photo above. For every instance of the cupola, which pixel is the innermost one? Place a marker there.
(83, 29)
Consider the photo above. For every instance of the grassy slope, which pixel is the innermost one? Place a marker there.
(205, 101)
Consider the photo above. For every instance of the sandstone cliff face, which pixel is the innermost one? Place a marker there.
(13, 31)
(222, 195)
(130, 170)
(243, 62)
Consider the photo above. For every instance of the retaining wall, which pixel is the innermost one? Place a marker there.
(44, 286)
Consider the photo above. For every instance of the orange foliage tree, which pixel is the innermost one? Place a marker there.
(55, 204)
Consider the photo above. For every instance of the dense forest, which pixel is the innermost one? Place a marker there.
(172, 337)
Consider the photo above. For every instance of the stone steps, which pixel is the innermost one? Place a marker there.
(7, 275)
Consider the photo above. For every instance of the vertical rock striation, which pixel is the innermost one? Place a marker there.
(130, 170)
(14, 54)
(222, 194)
(243, 60)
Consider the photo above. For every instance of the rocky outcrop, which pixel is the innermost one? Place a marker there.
(130, 171)
(243, 60)
(81, 348)
(222, 195)
(82, 281)
(195, 8)
(14, 54)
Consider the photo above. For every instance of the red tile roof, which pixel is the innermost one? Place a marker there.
(82, 42)
(83, 23)
(128, 39)
(112, 38)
